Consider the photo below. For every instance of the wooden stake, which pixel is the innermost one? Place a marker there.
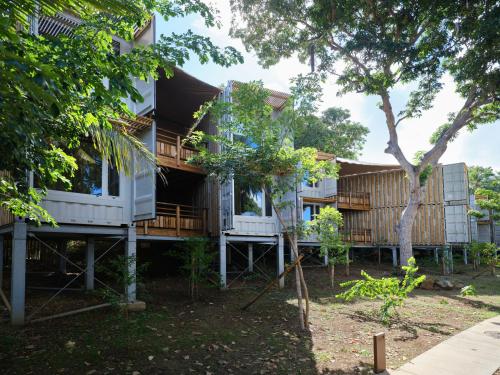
(379, 364)
(5, 301)
(273, 282)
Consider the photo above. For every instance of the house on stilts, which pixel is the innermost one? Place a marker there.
(178, 200)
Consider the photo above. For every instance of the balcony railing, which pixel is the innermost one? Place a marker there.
(175, 220)
(357, 235)
(173, 152)
(353, 200)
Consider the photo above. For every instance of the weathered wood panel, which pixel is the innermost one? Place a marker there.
(391, 188)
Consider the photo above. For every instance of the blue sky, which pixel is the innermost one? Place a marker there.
(480, 147)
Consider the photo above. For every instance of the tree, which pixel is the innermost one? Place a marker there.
(484, 178)
(334, 132)
(326, 225)
(54, 94)
(485, 183)
(372, 47)
(256, 150)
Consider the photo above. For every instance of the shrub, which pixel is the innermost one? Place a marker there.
(391, 290)
(468, 290)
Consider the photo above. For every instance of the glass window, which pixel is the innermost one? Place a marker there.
(308, 183)
(250, 200)
(113, 181)
(309, 212)
(88, 176)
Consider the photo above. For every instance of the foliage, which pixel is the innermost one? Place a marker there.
(256, 147)
(334, 132)
(58, 90)
(117, 270)
(426, 172)
(326, 226)
(390, 290)
(377, 47)
(485, 252)
(197, 261)
(484, 178)
(468, 290)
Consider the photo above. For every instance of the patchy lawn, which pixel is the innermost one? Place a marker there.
(213, 336)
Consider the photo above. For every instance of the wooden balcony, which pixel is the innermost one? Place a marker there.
(353, 201)
(357, 236)
(175, 220)
(172, 152)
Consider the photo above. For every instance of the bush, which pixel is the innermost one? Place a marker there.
(390, 290)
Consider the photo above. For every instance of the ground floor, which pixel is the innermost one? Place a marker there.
(214, 336)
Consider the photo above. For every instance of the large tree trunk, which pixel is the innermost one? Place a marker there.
(408, 216)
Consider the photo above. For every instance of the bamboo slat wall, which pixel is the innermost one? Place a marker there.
(389, 193)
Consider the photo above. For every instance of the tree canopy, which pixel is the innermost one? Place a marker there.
(374, 47)
(57, 90)
(334, 132)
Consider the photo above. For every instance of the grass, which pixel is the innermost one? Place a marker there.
(213, 336)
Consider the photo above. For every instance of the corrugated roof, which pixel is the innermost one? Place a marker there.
(349, 167)
(276, 99)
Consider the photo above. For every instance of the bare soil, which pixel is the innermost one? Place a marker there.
(213, 336)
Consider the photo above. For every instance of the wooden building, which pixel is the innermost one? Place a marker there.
(442, 217)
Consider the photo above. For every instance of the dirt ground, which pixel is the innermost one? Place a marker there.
(213, 336)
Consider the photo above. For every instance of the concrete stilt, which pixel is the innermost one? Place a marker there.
(18, 282)
(62, 249)
(89, 262)
(465, 256)
(250, 257)
(130, 254)
(325, 260)
(222, 262)
(281, 259)
(394, 257)
(436, 255)
(1, 261)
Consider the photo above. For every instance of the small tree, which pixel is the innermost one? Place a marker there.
(326, 225)
(256, 148)
(197, 260)
(392, 291)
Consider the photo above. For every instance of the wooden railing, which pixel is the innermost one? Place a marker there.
(353, 200)
(357, 235)
(175, 220)
(172, 150)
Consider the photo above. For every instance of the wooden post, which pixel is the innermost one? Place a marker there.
(350, 199)
(379, 255)
(178, 220)
(89, 262)
(205, 221)
(178, 153)
(379, 364)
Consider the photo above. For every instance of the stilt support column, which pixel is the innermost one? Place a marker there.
(281, 259)
(131, 256)
(18, 282)
(222, 262)
(394, 257)
(89, 262)
(250, 257)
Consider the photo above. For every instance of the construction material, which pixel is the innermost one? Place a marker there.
(5, 301)
(72, 312)
(379, 362)
(274, 282)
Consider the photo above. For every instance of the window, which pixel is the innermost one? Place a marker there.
(250, 200)
(307, 183)
(113, 181)
(88, 178)
(310, 211)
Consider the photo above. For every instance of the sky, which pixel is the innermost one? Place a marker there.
(480, 147)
